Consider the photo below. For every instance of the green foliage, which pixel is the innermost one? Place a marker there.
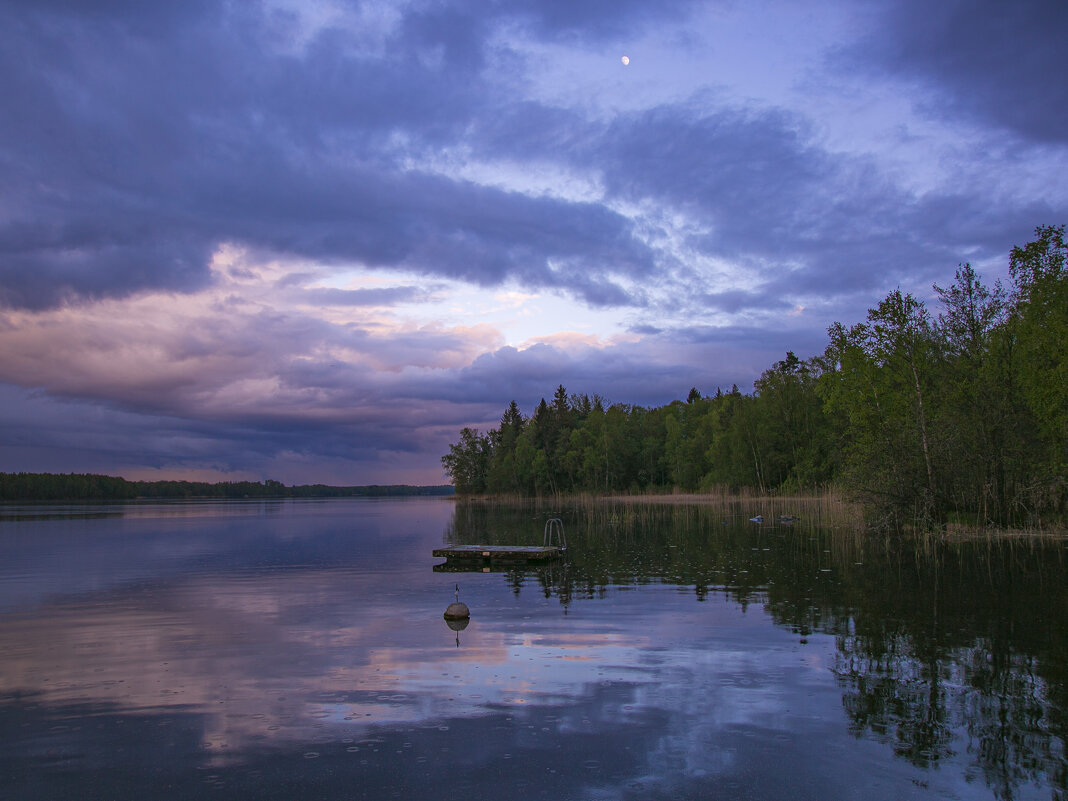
(794, 431)
(576, 444)
(963, 416)
(1040, 324)
(65, 487)
(887, 368)
(468, 461)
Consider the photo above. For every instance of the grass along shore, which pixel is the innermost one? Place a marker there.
(827, 508)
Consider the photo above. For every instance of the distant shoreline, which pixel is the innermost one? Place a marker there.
(59, 487)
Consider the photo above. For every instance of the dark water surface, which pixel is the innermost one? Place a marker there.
(287, 650)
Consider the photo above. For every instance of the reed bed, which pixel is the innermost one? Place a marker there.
(825, 509)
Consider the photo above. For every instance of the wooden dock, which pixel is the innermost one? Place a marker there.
(500, 553)
(483, 554)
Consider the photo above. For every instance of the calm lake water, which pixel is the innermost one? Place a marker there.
(296, 649)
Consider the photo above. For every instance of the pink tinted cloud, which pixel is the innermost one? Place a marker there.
(236, 349)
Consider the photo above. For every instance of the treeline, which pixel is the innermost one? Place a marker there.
(90, 487)
(923, 417)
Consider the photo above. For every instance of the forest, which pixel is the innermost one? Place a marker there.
(926, 416)
(93, 487)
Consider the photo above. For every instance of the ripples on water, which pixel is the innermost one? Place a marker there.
(297, 649)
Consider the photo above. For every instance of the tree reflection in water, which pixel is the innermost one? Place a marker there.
(969, 639)
(943, 649)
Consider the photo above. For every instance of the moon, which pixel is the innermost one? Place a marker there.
(625, 60)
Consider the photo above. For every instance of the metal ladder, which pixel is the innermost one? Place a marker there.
(554, 529)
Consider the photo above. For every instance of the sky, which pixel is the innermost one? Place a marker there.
(310, 240)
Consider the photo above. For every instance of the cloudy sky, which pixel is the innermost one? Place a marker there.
(310, 239)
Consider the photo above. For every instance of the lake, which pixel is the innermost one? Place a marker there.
(297, 649)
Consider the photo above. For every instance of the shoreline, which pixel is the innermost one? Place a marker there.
(827, 504)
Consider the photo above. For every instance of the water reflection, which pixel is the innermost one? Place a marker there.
(943, 652)
(679, 652)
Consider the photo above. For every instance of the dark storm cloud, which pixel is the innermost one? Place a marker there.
(139, 148)
(763, 195)
(1001, 62)
(91, 436)
(138, 137)
(41, 433)
(148, 136)
(428, 224)
(650, 373)
(760, 191)
(340, 419)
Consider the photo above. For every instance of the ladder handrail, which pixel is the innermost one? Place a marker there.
(555, 526)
